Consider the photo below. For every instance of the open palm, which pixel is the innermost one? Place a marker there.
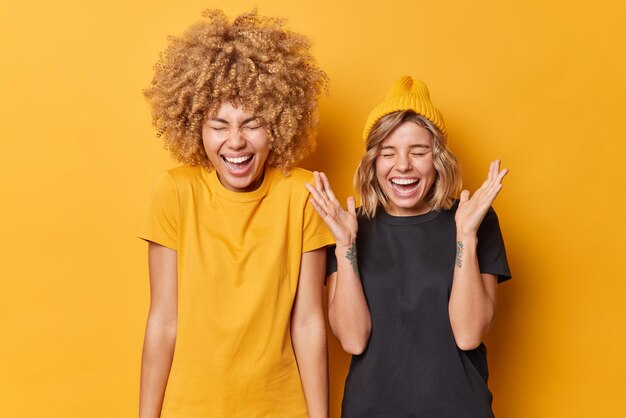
(341, 223)
(472, 211)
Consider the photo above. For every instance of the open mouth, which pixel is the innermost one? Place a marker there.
(404, 186)
(238, 164)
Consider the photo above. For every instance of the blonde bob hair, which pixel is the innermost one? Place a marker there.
(253, 62)
(448, 178)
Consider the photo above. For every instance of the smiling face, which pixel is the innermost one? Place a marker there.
(237, 145)
(405, 171)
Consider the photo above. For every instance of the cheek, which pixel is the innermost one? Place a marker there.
(211, 146)
(206, 139)
(427, 167)
(432, 175)
(382, 166)
(260, 141)
(264, 147)
(378, 169)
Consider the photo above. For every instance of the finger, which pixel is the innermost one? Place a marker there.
(351, 205)
(497, 181)
(317, 198)
(464, 196)
(318, 182)
(502, 174)
(494, 176)
(323, 199)
(312, 190)
(490, 193)
(326, 183)
(489, 178)
(496, 170)
(490, 172)
(321, 212)
(493, 194)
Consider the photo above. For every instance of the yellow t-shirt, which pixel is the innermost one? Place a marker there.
(238, 266)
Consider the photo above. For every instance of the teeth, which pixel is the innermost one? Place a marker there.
(404, 181)
(237, 160)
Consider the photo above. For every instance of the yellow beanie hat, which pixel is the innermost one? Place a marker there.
(406, 94)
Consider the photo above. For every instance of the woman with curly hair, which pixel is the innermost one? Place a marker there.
(236, 252)
(413, 306)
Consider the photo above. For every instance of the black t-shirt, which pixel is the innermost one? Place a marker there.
(412, 366)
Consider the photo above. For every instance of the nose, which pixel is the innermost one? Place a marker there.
(403, 163)
(236, 140)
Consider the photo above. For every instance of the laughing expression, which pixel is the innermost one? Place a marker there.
(237, 145)
(405, 169)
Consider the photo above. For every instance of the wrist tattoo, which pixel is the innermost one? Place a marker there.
(459, 253)
(351, 256)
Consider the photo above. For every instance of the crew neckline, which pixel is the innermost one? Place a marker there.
(218, 188)
(406, 220)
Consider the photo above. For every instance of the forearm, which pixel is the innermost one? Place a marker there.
(309, 345)
(348, 313)
(471, 308)
(158, 351)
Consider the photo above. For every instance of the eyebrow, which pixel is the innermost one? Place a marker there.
(389, 147)
(245, 121)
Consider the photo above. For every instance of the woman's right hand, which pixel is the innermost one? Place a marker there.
(342, 224)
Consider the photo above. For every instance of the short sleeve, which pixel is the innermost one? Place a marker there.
(161, 222)
(491, 252)
(315, 234)
(331, 260)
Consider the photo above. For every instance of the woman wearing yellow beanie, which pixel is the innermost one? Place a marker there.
(414, 305)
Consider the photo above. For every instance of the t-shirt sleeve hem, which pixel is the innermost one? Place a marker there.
(502, 277)
(317, 242)
(164, 241)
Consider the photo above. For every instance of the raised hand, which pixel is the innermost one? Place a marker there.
(471, 211)
(342, 224)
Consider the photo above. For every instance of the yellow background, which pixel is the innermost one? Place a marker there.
(540, 84)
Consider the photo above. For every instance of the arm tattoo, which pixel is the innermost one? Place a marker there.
(351, 256)
(459, 253)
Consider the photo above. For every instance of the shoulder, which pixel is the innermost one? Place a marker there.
(184, 178)
(295, 175)
(490, 222)
(185, 173)
(364, 221)
(178, 181)
(361, 216)
(491, 214)
(291, 180)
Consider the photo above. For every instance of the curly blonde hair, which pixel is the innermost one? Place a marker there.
(447, 181)
(253, 62)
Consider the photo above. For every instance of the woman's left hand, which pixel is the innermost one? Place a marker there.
(472, 211)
